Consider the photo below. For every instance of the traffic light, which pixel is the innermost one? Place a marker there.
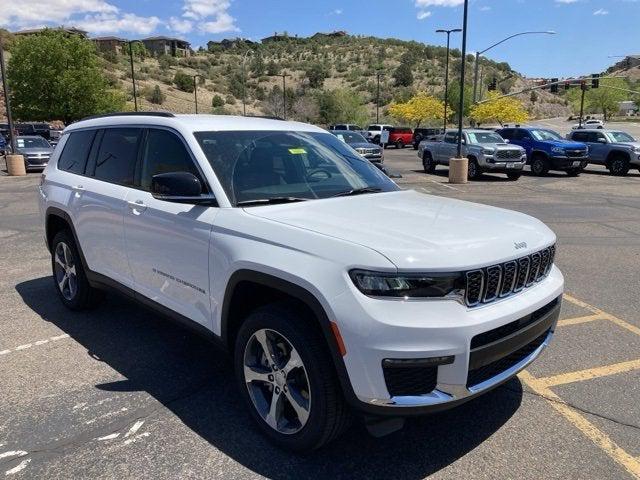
(567, 85)
(595, 80)
(493, 85)
(583, 84)
(554, 85)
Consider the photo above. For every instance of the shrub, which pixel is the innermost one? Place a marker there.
(183, 81)
(156, 96)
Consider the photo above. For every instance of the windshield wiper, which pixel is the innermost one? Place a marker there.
(358, 191)
(270, 201)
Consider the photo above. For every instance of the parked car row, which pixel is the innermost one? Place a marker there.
(508, 150)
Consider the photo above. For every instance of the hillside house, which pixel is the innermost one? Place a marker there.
(161, 45)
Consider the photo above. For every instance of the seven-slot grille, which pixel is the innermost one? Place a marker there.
(508, 154)
(487, 284)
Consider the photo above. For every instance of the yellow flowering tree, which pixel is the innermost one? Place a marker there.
(501, 110)
(418, 109)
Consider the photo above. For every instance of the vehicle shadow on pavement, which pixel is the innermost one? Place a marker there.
(194, 380)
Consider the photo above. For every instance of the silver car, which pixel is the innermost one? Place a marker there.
(35, 150)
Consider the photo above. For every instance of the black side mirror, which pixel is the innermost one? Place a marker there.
(180, 187)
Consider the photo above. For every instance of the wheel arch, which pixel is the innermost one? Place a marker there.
(263, 288)
(617, 153)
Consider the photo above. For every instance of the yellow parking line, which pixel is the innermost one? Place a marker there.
(605, 315)
(599, 438)
(578, 320)
(590, 373)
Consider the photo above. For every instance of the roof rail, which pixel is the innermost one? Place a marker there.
(267, 117)
(130, 114)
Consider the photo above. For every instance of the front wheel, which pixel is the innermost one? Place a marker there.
(539, 166)
(474, 169)
(619, 166)
(428, 164)
(287, 379)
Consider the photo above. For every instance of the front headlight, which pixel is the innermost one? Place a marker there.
(636, 150)
(487, 152)
(408, 285)
(557, 150)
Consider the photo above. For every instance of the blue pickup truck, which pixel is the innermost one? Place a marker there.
(547, 150)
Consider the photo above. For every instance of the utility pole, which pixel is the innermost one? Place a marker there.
(378, 98)
(583, 87)
(462, 74)
(7, 102)
(244, 83)
(133, 76)
(446, 72)
(284, 96)
(195, 90)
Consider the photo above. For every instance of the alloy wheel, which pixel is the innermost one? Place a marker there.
(65, 271)
(277, 381)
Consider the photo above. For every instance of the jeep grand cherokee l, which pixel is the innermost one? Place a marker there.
(335, 291)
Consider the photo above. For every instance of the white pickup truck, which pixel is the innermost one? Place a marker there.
(486, 150)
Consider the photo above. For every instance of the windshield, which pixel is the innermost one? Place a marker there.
(349, 137)
(36, 142)
(484, 137)
(262, 165)
(620, 137)
(542, 135)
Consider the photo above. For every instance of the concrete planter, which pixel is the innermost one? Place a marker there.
(15, 165)
(458, 170)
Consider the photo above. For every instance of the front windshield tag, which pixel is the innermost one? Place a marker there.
(297, 151)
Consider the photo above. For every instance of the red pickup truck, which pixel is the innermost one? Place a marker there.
(400, 137)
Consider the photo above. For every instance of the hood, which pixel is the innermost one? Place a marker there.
(417, 231)
(635, 145)
(566, 144)
(364, 145)
(501, 146)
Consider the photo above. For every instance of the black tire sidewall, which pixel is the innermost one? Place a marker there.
(82, 299)
(427, 163)
(623, 167)
(286, 322)
(538, 171)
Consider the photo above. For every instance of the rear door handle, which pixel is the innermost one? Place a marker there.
(78, 188)
(138, 205)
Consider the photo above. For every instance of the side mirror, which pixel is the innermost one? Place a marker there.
(179, 187)
(506, 140)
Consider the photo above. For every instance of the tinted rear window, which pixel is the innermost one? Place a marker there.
(74, 156)
(116, 158)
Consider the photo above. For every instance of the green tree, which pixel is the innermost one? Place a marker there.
(606, 99)
(341, 105)
(273, 68)
(138, 49)
(257, 65)
(403, 75)
(55, 76)
(217, 101)
(453, 98)
(316, 73)
(183, 81)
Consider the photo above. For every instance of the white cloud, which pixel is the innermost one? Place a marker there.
(438, 3)
(211, 16)
(337, 11)
(113, 23)
(486, 8)
(422, 14)
(179, 25)
(567, 1)
(601, 11)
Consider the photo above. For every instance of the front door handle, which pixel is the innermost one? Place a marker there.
(137, 206)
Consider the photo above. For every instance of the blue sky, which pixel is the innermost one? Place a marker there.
(588, 31)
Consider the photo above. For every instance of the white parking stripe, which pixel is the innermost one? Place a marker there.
(136, 426)
(37, 343)
(21, 466)
(13, 453)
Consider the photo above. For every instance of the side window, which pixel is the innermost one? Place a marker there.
(521, 134)
(74, 156)
(507, 133)
(451, 137)
(597, 136)
(164, 152)
(116, 159)
(582, 137)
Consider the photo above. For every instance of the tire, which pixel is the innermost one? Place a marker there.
(376, 139)
(427, 163)
(325, 414)
(474, 170)
(514, 176)
(69, 277)
(539, 166)
(619, 166)
(416, 142)
(574, 172)
(399, 144)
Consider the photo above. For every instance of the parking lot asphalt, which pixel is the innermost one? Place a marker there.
(120, 393)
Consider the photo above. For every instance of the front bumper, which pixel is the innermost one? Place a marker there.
(378, 330)
(501, 166)
(568, 163)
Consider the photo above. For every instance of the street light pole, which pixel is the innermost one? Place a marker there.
(446, 72)
(195, 89)
(475, 76)
(244, 84)
(378, 75)
(133, 76)
(7, 102)
(462, 74)
(284, 96)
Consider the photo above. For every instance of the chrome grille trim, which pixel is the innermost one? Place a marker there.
(485, 285)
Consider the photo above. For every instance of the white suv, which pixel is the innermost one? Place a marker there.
(336, 291)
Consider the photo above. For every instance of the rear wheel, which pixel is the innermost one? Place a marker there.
(539, 165)
(427, 163)
(399, 144)
(69, 276)
(287, 379)
(619, 165)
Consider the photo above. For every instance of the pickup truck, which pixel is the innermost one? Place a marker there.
(486, 151)
(547, 150)
(420, 134)
(617, 150)
(400, 137)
